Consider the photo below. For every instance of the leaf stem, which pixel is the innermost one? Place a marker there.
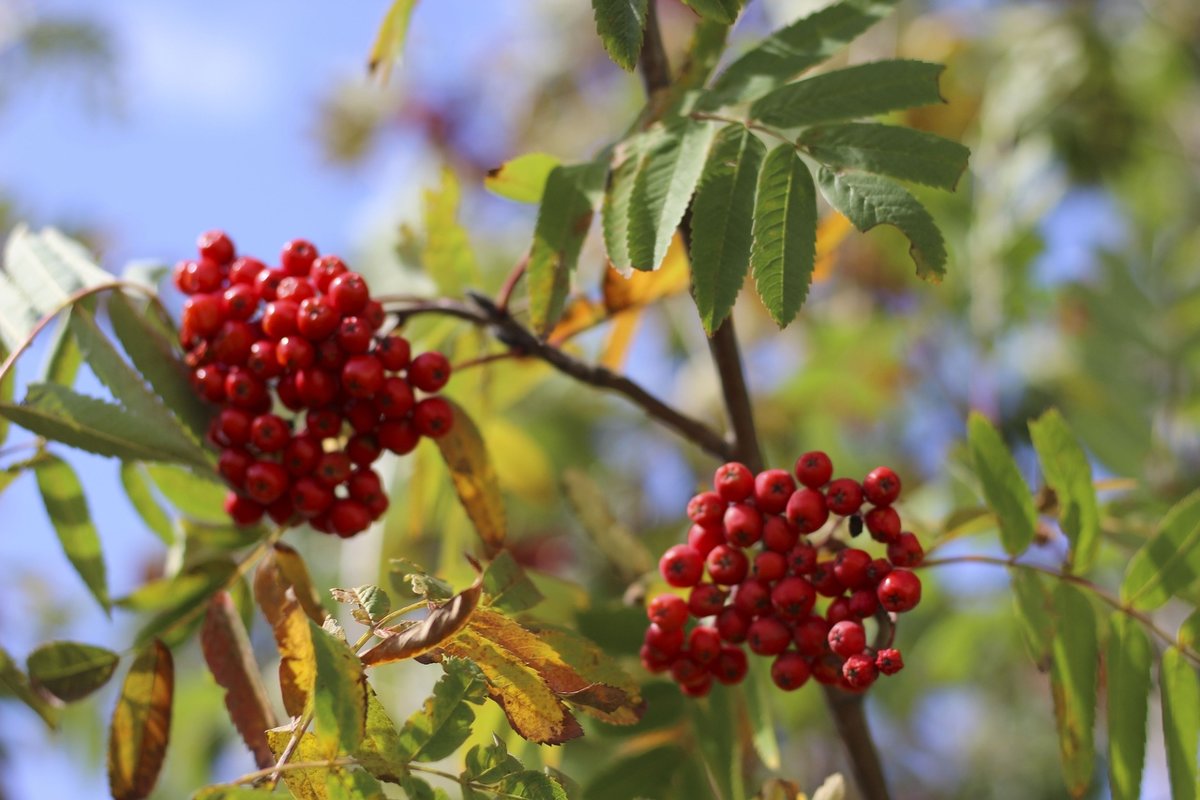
(333, 763)
(273, 773)
(510, 283)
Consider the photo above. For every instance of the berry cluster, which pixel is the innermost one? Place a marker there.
(767, 596)
(311, 393)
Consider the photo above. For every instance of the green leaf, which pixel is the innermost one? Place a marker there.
(444, 722)
(352, 784)
(760, 700)
(233, 793)
(1069, 474)
(506, 585)
(1180, 688)
(381, 752)
(447, 255)
(663, 187)
(627, 161)
(863, 90)
(339, 694)
(621, 24)
(565, 214)
(868, 201)
(69, 670)
(178, 602)
(1189, 631)
(159, 363)
(1170, 561)
(17, 316)
(523, 178)
(645, 774)
(1033, 607)
(489, 763)
(1075, 653)
(63, 497)
(1128, 671)
(141, 494)
(722, 217)
(888, 150)
(1003, 487)
(785, 234)
(532, 785)
(370, 602)
(63, 356)
(627, 554)
(13, 683)
(389, 42)
(793, 49)
(197, 496)
(49, 268)
(7, 382)
(723, 11)
(141, 724)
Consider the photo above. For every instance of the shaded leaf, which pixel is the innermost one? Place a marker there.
(532, 785)
(760, 709)
(1033, 606)
(7, 382)
(289, 624)
(195, 494)
(352, 784)
(63, 357)
(859, 91)
(1075, 653)
(179, 601)
(230, 658)
(370, 602)
(1069, 474)
(443, 622)
(62, 494)
(893, 150)
(621, 24)
(444, 721)
(1189, 632)
(339, 692)
(389, 41)
(601, 672)
(869, 201)
(1128, 673)
(723, 11)
(137, 488)
(141, 724)
(381, 751)
(523, 178)
(624, 551)
(489, 763)
(69, 670)
(1003, 487)
(474, 479)
(1170, 561)
(1180, 687)
(14, 683)
(295, 573)
(627, 160)
(507, 587)
(785, 234)
(722, 218)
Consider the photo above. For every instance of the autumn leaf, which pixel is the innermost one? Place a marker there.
(443, 622)
(297, 665)
(141, 724)
(474, 479)
(295, 573)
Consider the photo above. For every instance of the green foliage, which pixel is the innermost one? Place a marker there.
(1129, 657)
(1169, 563)
(1075, 654)
(723, 11)
(69, 670)
(62, 494)
(340, 692)
(1069, 474)
(444, 723)
(1180, 687)
(14, 683)
(1003, 487)
(140, 492)
(887, 150)
(621, 25)
(523, 178)
(507, 587)
(785, 234)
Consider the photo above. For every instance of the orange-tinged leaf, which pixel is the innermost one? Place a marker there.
(297, 664)
(291, 566)
(474, 479)
(643, 288)
(304, 784)
(141, 724)
(581, 314)
(608, 681)
(230, 659)
(443, 622)
(831, 232)
(620, 337)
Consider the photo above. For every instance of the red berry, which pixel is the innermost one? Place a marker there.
(323, 423)
(814, 469)
(705, 600)
(429, 372)
(698, 688)
(317, 318)
(310, 498)
(300, 455)
(652, 661)
(332, 469)
(266, 481)
(348, 517)
(263, 360)
(295, 353)
(732, 625)
(245, 391)
(664, 643)
(210, 383)
(705, 539)
(668, 611)
(727, 565)
(245, 270)
(316, 387)
(365, 486)
(281, 511)
(215, 246)
(233, 464)
(793, 598)
(349, 293)
(731, 665)
(881, 486)
(184, 278)
(704, 644)
(399, 436)
(860, 671)
(329, 355)
(686, 670)
(838, 611)
(876, 570)
(883, 523)
(362, 376)
(772, 488)
(394, 351)
(812, 636)
(844, 496)
(743, 524)
(806, 510)
(734, 482)
(433, 417)
(769, 566)
(234, 425)
(768, 636)
(279, 318)
(239, 301)
(289, 395)
(362, 415)
(802, 559)
(374, 314)
(681, 566)
(233, 341)
(354, 336)
(850, 567)
(779, 534)
(294, 290)
(395, 398)
(364, 449)
(863, 603)
(242, 510)
(203, 314)
(324, 270)
(297, 257)
(269, 433)
(753, 598)
(847, 638)
(905, 550)
(888, 661)
(789, 671)
(825, 581)
(899, 591)
(266, 282)
(706, 508)
(827, 670)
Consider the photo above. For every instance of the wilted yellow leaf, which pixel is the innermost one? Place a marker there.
(141, 724)
(475, 479)
(295, 573)
(304, 784)
(390, 39)
(643, 288)
(297, 665)
(443, 622)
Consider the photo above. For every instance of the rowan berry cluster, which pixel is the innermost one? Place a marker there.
(311, 391)
(766, 578)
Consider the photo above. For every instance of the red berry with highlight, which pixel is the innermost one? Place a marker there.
(727, 565)
(429, 372)
(734, 482)
(743, 524)
(706, 508)
(814, 469)
(860, 671)
(681, 566)
(844, 496)
(847, 638)
(668, 611)
(806, 509)
(297, 257)
(433, 417)
(215, 246)
(881, 486)
(772, 488)
(349, 293)
(882, 523)
(899, 591)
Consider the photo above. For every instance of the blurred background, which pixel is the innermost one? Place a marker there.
(1074, 281)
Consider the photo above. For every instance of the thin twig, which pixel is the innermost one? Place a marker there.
(510, 283)
(274, 773)
(333, 763)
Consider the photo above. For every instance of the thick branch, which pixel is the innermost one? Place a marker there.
(656, 71)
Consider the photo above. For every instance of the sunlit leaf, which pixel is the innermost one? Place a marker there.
(291, 566)
(443, 622)
(381, 751)
(62, 494)
(785, 234)
(1180, 688)
(1170, 561)
(507, 587)
(370, 603)
(14, 683)
(339, 692)
(447, 255)
(17, 315)
(1128, 672)
(141, 495)
(444, 722)
(523, 178)
(627, 159)
(179, 601)
(232, 793)
(389, 42)
(621, 24)
(297, 665)
(474, 479)
(1003, 487)
(892, 150)
(69, 670)
(598, 669)
(49, 268)
(1075, 653)
(141, 724)
(421, 582)
(304, 784)
(1069, 474)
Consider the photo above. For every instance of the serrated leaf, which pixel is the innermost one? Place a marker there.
(49, 268)
(663, 188)
(1170, 561)
(793, 49)
(291, 566)
(645, 774)
(381, 752)
(352, 784)
(230, 658)
(1003, 487)
(62, 494)
(893, 150)
(63, 356)
(475, 480)
(1075, 653)
(422, 583)
(1033, 606)
(1128, 673)
(17, 316)
(863, 90)
(1069, 474)
(1180, 688)
(141, 724)
(785, 234)
(564, 216)
(868, 201)
(601, 672)
(489, 763)
(524, 178)
(370, 602)
(195, 494)
(141, 495)
(626, 553)
(69, 670)
(389, 41)
(179, 601)
(444, 721)
(722, 218)
(723, 11)
(442, 623)
(447, 255)
(621, 25)
(304, 784)
(507, 587)
(532, 785)
(14, 683)
(339, 693)
(290, 626)
(627, 159)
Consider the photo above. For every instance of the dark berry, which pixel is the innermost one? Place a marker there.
(429, 372)
(802, 559)
(265, 482)
(863, 603)
(664, 643)
(395, 398)
(364, 448)
(269, 433)
(394, 351)
(243, 510)
(362, 376)
(883, 524)
(733, 625)
(433, 417)
(753, 598)
(768, 636)
(793, 598)
(333, 468)
(812, 636)
(398, 435)
(310, 498)
(704, 644)
(905, 550)
(300, 455)
(731, 665)
(348, 517)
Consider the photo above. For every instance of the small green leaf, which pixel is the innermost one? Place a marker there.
(723, 11)
(339, 694)
(1033, 607)
(1073, 684)
(370, 602)
(352, 784)
(863, 90)
(523, 178)
(1069, 474)
(621, 24)
(178, 602)
(63, 357)
(1170, 561)
(507, 587)
(489, 763)
(532, 785)
(141, 494)
(1129, 657)
(568, 202)
(785, 234)
(722, 217)
(71, 671)
(195, 494)
(444, 722)
(1180, 686)
(793, 49)
(868, 201)
(663, 188)
(447, 255)
(389, 42)
(1003, 487)
(888, 150)
(63, 497)
(13, 683)
(627, 161)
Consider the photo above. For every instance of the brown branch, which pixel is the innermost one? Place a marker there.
(656, 71)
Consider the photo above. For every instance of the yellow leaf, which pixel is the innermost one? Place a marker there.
(297, 663)
(522, 178)
(521, 463)
(474, 479)
(620, 337)
(141, 724)
(447, 255)
(295, 573)
(598, 669)
(389, 42)
(304, 784)
(580, 314)
(831, 232)
(443, 622)
(339, 692)
(643, 288)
